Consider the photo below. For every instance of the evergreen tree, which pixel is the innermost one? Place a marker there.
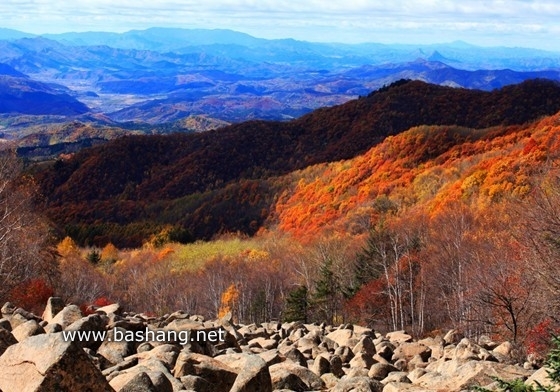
(553, 361)
(327, 293)
(297, 305)
(94, 257)
(369, 262)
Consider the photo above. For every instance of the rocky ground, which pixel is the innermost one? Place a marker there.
(34, 356)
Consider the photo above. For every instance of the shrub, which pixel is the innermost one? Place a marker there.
(32, 295)
(553, 368)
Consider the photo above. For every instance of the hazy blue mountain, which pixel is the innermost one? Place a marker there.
(163, 75)
(20, 95)
(237, 99)
(158, 39)
(9, 34)
(239, 45)
(6, 70)
(439, 73)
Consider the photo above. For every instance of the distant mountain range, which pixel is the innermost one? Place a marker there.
(162, 76)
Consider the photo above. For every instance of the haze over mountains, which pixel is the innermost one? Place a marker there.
(162, 76)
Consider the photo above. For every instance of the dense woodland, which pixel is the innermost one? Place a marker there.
(434, 225)
(223, 180)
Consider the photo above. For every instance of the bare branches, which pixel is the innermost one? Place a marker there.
(22, 233)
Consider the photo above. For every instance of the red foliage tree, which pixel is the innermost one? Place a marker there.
(32, 295)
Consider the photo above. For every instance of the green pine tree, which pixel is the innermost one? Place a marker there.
(94, 257)
(297, 305)
(327, 293)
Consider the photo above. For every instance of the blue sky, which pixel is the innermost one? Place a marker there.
(511, 23)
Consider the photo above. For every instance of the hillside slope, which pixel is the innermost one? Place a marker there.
(19, 94)
(427, 166)
(204, 177)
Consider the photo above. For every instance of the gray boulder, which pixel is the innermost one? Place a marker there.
(49, 363)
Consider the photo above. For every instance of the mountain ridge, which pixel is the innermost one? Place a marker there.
(136, 172)
(21, 95)
(234, 77)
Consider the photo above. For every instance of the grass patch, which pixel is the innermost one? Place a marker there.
(191, 257)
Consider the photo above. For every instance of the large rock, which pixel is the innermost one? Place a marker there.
(54, 306)
(92, 323)
(160, 376)
(141, 382)
(17, 319)
(48, 363)
(453, 336)
(342, 337)
(466, 350)
(167, 354)
(271, 357)
(67, 316)
(455, 375)
(110, 309)
(5, 324)
(308, 347)
(345, 353)
(399, 337)
(287, 375)
(321, 365)
(6, 340)
(267, 344)
(541, 377)
(385, 349)
(215, 372)
(115, 351)
(8, 309)
(379, 371)
(358, 384)
(27, 329)
(364, 346)
(400, 377)
(408, 350)
(405, 387)
(252, 373)
(198, 384)
(336, 365)
(362, 361)
(294, 355)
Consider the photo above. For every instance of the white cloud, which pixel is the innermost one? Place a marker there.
(351, 20)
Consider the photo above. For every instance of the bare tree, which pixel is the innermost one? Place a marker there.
(540, 235)
(451, 246)
(22, 232)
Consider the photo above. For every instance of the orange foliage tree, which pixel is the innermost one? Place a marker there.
(229, 301)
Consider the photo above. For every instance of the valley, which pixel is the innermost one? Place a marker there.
(161, 76)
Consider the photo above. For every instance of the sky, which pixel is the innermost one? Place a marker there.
(512, 23)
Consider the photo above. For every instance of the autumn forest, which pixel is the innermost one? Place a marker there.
(417, 207)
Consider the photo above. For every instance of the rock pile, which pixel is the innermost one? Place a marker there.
(36, 355)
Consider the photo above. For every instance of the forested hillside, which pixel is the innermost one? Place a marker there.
(433, 227)
(225, 180)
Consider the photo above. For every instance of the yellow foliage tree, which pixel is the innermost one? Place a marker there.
(110, 253)
(67, 247)
(229, 300)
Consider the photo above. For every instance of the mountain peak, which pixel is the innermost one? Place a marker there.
(437, 56)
